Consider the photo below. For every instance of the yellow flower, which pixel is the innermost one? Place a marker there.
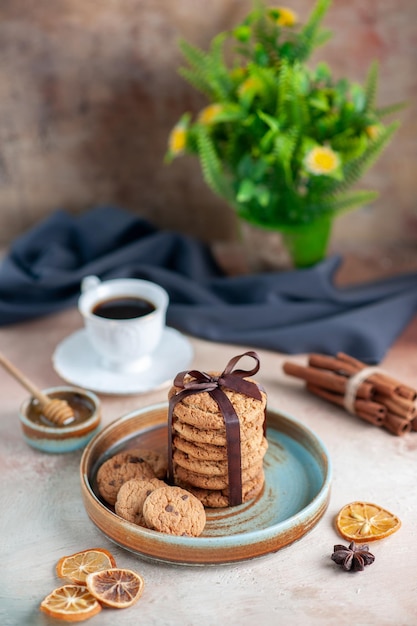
(372, 131)
(208, 114)
(177, 139)
(250, 84)
(321, 160)
(286, 17)
(237, 73)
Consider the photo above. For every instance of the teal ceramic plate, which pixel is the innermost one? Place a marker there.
(295, 496)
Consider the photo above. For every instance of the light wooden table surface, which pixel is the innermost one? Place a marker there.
(42, 515)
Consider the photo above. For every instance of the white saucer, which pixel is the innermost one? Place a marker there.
(76, 362)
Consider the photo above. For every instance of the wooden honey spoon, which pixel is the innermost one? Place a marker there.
(56, 411)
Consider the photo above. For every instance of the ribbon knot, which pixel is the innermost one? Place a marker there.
(194, 381)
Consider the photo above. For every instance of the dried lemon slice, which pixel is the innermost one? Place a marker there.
(76, 567)
(115, 587)
(363, 521)
(70, 603)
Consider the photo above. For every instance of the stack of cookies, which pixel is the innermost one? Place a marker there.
(199, 447)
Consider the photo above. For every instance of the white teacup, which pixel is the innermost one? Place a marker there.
(124, 318)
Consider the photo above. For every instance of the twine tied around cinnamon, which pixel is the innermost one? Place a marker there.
(352, 385)
(214, 385)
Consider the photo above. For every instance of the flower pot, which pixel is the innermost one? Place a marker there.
(275, 250)
(307, 245)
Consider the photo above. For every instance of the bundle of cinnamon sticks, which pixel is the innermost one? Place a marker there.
(377, 397)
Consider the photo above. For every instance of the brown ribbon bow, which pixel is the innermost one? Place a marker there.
(214, 385)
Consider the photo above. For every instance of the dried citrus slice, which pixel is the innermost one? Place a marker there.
(76, 567)
(116, 587)
(362, 521)
(71, 603)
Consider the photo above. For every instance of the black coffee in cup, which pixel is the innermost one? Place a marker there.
(123, 308)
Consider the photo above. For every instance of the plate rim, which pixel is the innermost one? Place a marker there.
(317, 505)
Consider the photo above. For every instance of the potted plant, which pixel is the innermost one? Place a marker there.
(281, 142)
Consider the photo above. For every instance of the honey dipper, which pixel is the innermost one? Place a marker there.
(56, 411)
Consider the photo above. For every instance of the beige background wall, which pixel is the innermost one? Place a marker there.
(89, 92)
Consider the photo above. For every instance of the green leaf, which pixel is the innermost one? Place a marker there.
(319, 101)
(342, 89)
(246, 190)
(284, 150)
(194, 55)
(389, 109)
(207, 72)
(311, 36)
(229, 113)
(260, 55)
(211, 166)
(269, 120)
(322, 73)
(251, 168)
(267, 141)
(197, 80)
(263, 195)
(371, 86)
(322, 37)
(348, 201)
(358, 98)
(355, 169)
(242, 33)
(350, 147)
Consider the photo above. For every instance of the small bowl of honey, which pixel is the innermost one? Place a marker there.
(43, 435)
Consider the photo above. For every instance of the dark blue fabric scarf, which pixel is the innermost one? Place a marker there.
(291, 312)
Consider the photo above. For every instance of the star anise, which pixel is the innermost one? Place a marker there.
(353, 558)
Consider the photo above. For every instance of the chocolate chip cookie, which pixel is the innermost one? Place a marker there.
(119, 469)
(131, 496)
(212, 452)
(174, 511)
(218, 468)
(212, 482)
(219, 498)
